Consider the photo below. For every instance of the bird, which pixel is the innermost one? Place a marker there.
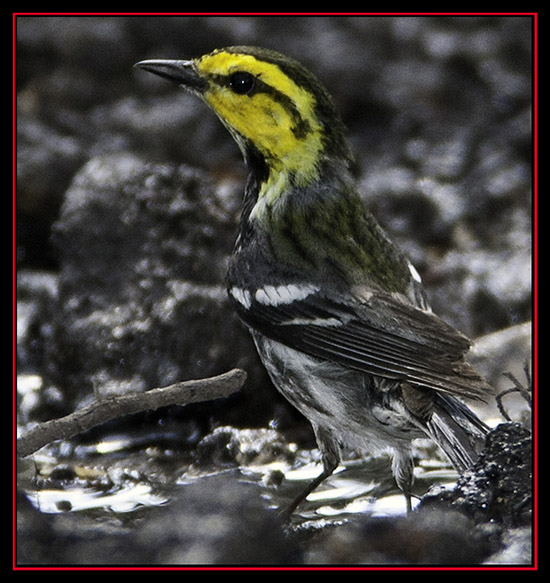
(338, 313)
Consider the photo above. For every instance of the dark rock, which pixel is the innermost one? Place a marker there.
(430, 538)
(231, 447)
(141, 301)
(498, 488)
(219, 520)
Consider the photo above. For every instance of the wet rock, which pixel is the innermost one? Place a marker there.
(496, 494)
(232, 447)
(498, 488)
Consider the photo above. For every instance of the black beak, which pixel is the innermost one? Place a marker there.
(181, 72)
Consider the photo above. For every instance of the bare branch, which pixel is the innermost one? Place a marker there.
(524, 391)
(110, 408)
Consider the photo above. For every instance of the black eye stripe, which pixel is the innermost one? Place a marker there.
(242, 83)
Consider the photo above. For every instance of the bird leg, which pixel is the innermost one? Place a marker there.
(329, 467)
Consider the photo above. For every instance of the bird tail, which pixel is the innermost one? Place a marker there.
(457, 430)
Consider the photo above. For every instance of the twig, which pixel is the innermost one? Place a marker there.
(525, 392)
(109, 408)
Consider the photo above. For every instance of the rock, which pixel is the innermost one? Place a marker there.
(498, 487)
(229, 447)
(430, 538)
(141, 302)
(496, 493)
(218, 520)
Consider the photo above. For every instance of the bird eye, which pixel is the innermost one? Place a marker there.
(242, 83)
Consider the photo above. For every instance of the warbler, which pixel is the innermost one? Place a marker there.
(337, 312)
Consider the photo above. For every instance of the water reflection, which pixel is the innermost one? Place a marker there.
(125, 499)
(114, 476)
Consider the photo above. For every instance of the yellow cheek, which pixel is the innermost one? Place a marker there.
(270, 127)
(256, 118)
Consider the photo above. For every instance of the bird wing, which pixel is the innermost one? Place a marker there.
(381, 336)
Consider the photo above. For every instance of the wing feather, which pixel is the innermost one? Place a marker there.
(381, 336)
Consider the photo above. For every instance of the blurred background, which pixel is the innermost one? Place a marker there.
(129, 190)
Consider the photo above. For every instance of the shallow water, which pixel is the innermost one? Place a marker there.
(152, 478)
(113, 476)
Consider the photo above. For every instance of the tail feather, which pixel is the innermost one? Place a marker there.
(457, 431)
